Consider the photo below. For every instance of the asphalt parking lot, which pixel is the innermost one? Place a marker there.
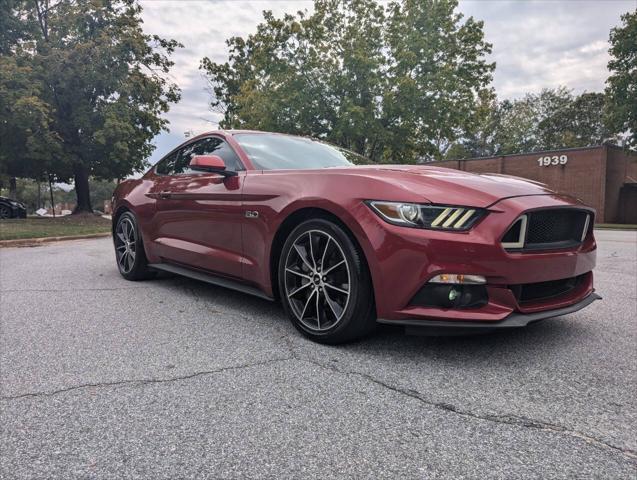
(171, 378)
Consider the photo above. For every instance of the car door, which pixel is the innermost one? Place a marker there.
(198, 214)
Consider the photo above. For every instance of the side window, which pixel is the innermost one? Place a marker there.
(177, 163)
(216, 146)
(167, 165)
(185, 155)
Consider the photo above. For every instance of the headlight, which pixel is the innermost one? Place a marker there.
(434, 217)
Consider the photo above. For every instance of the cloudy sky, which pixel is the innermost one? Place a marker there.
(536, 44)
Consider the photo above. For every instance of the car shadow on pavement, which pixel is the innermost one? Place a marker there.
(551, 335)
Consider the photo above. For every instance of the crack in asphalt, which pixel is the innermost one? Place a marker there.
(514, 420)
(279, 327)
(507, 419)
(143, 381)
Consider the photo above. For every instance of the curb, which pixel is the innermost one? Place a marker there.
(619, 228)
(34, 242)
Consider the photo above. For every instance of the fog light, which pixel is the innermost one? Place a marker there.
(450, 296)
(459, 278)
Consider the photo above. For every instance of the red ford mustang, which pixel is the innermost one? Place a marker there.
(345, 246)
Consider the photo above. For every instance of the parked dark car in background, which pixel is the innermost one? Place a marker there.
(11, 209)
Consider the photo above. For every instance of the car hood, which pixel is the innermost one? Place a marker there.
(453, 187)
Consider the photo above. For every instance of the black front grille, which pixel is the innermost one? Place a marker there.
(554, 226)
(548, 229)
(533, 292)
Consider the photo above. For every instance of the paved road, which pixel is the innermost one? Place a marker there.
(172, 379)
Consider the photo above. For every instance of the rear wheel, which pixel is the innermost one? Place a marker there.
(5, 212)
(324, 283)
(129, 249)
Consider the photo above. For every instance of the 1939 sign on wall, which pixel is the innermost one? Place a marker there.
(547, 161)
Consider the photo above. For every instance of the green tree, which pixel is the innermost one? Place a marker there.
(318, 75)
(27, 145)
(16, 24)
(479, 139)
(621, 86)
(527, 124)
(549, 120)
(577, 123)
(394, 84)
(25, 140)
(437, 73)
(101, 83)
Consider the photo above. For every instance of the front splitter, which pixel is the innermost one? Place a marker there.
(515, 320)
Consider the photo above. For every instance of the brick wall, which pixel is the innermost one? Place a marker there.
(621, 186)
(583, 176)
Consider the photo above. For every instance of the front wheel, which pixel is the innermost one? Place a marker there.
(129, 249)
(325, 286)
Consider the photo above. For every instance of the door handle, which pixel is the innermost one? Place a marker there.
(164, 195)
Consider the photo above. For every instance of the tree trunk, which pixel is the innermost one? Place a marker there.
(13, 188)
(82, 192)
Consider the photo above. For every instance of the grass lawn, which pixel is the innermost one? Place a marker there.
(38, 227)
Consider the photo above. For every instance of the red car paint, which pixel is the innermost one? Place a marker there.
(204, 225)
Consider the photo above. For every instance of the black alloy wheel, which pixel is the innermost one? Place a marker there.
(129, 249)
(324, 283)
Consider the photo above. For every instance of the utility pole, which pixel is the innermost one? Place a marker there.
(51, 192)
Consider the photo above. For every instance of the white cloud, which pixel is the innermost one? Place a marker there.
(202, 27)
(545, 44)
(536, 44)
(595, 47)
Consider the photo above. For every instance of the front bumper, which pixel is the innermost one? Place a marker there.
(406, 258)
(514, 320)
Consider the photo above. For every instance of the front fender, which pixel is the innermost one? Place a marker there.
(349, 215)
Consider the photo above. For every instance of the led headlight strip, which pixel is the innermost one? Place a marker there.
(435, 217)
(447, 219)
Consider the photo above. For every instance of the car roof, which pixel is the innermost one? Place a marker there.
(236, 131)
(240, 131)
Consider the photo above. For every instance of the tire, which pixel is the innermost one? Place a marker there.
(325, 286)
(5, 212)
(129, 249)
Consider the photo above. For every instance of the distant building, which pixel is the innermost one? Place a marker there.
(604, 177)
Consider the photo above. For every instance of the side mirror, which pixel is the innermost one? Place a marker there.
(210, 163)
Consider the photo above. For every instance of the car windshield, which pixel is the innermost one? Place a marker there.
(280, 152)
